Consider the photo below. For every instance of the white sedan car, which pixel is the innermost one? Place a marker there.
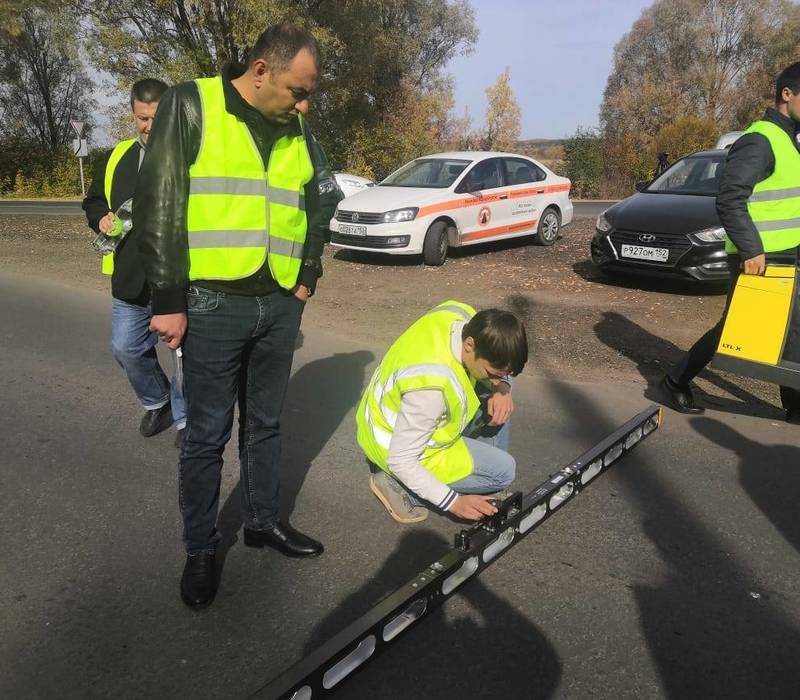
(454, 199)
(351, 184)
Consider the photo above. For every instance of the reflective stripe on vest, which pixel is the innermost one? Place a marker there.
(422, 358)
(107, 264)
(241, 213)
(774, 205)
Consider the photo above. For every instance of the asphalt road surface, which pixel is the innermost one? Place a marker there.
(675, 575)
(588, 209)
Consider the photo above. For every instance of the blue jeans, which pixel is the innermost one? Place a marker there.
(236, 347)
(134, 349)
(493, 468)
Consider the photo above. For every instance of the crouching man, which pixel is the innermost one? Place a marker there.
(433, 420)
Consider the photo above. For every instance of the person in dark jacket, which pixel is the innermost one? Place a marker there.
(751, 160)
(132, 341)
(231, 232)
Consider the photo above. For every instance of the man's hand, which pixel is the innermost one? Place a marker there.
(170, 328)
(500, 405)
(755, 266)
(472, 507)
(106, 224)
(301, 292)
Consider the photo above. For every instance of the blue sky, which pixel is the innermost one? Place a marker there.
(560, 54)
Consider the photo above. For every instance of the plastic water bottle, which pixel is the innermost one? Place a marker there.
(106, 243)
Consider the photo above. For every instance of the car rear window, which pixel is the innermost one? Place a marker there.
(697, 175)
(427, 172)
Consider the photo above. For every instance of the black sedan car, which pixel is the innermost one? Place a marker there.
(669, 228)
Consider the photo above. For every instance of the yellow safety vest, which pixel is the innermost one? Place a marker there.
(241, 213)
(107, 266)
(421, 358)
(774, 204)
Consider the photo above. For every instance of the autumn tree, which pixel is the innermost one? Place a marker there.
(502, 116)
(43, 83)
(698, 58)
(376, 53)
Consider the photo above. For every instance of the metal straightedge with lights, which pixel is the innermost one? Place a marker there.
(324, 670)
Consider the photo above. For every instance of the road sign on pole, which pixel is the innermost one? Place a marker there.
(78, 126)
(80, 147)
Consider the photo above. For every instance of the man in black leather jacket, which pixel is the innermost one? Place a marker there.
(749, 161)
(241, 332)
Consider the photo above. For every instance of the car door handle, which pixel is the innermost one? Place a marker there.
(539, 191)
(503, 196)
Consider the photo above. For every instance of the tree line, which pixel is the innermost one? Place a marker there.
(383, 96)
(687, 72)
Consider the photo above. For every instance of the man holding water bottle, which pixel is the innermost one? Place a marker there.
(108, 201)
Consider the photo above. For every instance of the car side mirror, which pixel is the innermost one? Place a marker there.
(641, 186)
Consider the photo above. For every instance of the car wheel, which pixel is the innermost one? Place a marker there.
(434, 249)
(549, 226)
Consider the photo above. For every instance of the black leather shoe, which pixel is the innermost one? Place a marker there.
(678, 397)
(156, 421)
(285, 539)
(198, 583)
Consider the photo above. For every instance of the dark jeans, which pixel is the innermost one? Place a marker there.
(702, 352)
(235, 346)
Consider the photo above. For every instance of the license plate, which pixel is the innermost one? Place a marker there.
(350, 230)
(643, 252)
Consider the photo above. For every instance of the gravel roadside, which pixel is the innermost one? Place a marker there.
(582, 325)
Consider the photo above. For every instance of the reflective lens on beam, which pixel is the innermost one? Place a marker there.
(396, 625)
(498, 545)
(466, 570)
(591, 471)
(612, 454)
(633, 437)
(532, 518)
(303, 694)
(561, 495)
(349, 663)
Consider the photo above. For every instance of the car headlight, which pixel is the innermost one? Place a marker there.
(327, 185)
(398, 215)
(602, 223)
(710, 235)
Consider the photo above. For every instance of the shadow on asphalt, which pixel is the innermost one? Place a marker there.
(319, 395)
(489, 651)
(708, 637)
(653, 355)
(664, 285)
(769, 474)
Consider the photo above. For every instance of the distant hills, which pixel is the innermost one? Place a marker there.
(548, 151)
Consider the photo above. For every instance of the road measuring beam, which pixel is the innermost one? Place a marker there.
(324, 671)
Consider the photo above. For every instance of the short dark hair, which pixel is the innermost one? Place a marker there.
(147, 90)
(279, 44)
(500, 339)
(789, 78)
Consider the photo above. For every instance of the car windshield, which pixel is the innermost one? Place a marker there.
(693, 175)
(427, 172)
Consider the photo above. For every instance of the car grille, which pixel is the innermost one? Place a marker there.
(676, 243)
(346, 217)
(369, 241)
